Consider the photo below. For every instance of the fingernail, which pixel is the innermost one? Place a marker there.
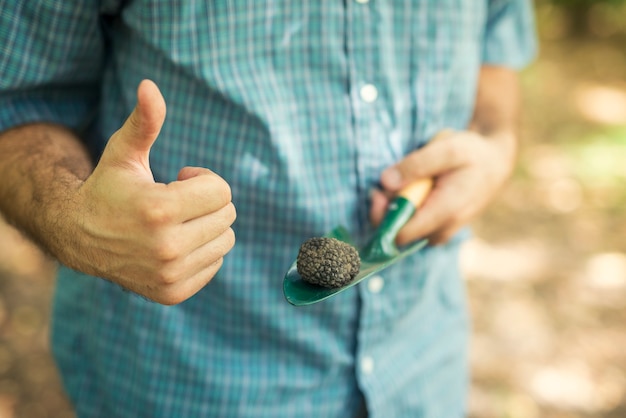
(391, 178)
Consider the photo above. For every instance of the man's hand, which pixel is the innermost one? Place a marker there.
(469, 167)
(468, 170)
(163, 241)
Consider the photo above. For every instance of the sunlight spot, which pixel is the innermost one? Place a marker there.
(522, 328)
(599, 160)
(568, 387)
(607, 271)
(563, 195)
(548, 162)
(601, 104)
(523, 260)
(520, 405)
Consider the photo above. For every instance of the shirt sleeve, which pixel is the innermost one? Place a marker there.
(52, 54)
(510, 38)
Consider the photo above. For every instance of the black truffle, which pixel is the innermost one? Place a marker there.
(327, 262)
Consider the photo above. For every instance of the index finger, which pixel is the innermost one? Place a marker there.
(200, 193)
(446, 151)
(442, 208)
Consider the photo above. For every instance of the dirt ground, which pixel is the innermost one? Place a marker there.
(546, 269)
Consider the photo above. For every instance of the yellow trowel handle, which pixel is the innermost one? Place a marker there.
(417, 191)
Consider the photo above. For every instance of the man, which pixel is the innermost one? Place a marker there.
(295, 111)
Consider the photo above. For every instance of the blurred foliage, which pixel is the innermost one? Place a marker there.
(600, 156)
(584, 3)
(583, 17)
(547, 269)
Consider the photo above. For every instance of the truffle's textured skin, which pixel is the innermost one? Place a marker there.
(327, 262)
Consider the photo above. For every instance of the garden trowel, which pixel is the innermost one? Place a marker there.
(379, 253)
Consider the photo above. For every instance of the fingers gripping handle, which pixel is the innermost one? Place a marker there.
(382, 245)
(417, 191)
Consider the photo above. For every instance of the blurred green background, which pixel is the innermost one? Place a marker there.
(546, 269)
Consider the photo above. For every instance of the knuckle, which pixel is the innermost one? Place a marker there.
(168, 276)
(156, 212)
(167, 251)
(229, 240)
(231, 213)
(214, 267)
(210, 270)
(225, 243)
(221, 246)
(223, 192)
(411, 167)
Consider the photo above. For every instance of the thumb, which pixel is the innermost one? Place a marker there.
(135, 138)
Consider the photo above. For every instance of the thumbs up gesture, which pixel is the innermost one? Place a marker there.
(163, 241)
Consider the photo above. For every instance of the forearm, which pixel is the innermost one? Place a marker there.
(497, 107)
(40, 166)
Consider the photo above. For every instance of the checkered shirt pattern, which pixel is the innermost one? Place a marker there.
(299, 105)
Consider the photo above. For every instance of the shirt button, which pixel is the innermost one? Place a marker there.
(375, 284)
(369, 93)
(367, 365)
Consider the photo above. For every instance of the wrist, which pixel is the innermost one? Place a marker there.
(56, 225)
(507, 141)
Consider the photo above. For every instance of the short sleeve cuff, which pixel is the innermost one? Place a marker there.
(510, 36)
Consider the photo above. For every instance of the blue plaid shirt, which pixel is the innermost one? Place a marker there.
(299, 105)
